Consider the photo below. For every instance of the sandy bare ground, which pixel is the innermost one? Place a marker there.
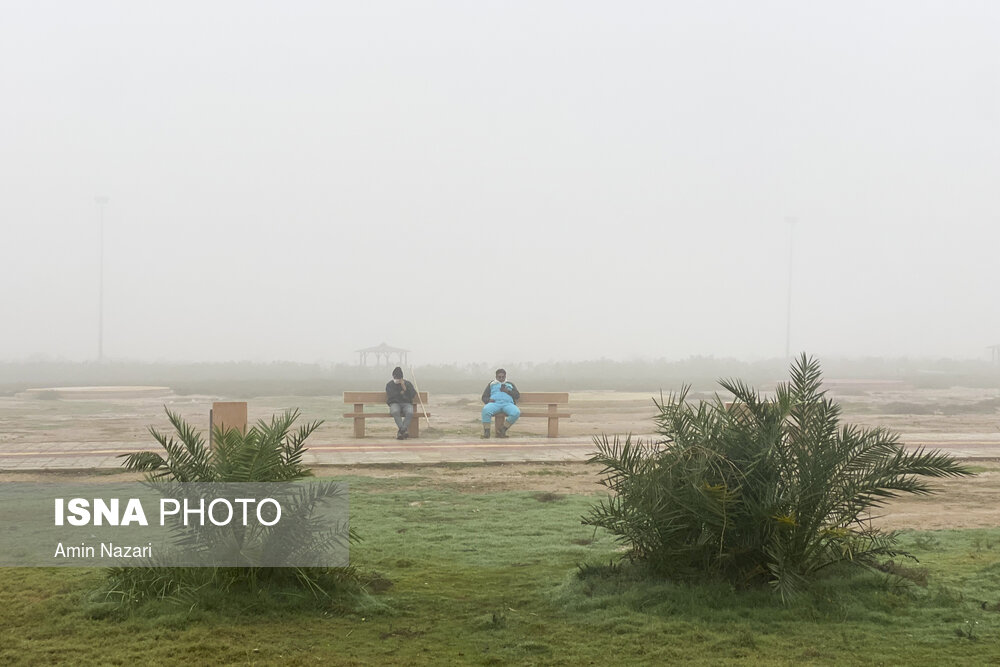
(963, 419)
(956, 414)
(960, 503)
(972, 502)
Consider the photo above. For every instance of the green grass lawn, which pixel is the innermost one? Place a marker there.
(492, 579)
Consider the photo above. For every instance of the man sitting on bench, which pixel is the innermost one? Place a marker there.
(500, 396)
(400, 394)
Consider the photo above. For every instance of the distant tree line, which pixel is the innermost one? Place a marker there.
(247, 379)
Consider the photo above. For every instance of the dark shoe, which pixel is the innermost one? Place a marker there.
(501, 432)
(486, 433)
(400, 435)
(406, 435)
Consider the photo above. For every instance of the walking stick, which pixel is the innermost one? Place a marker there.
(419, 400)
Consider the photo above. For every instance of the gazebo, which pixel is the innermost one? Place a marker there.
(383, 353)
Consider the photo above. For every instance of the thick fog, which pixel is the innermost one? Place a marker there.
(480, 181)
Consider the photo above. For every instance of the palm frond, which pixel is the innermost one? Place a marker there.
(269, 451)
(756, 487)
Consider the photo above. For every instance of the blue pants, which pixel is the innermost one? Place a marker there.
(509, 409)
(403, 414)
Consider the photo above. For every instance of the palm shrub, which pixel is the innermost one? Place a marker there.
(759, 489)
(269, 451)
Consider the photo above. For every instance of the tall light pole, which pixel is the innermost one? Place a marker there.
(788, 305)
(101, 202)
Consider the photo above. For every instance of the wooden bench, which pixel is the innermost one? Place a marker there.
(551, 399)
(359, 399)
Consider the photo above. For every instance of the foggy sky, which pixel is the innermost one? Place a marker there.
(499, 181)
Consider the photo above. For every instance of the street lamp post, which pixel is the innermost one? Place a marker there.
(788, 305)
(101, 203)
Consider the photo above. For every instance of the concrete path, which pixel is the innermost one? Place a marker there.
(105, 455)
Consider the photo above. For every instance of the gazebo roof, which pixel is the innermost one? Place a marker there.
(382, 347)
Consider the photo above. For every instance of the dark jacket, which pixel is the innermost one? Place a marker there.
(514, 393)
(400, 394)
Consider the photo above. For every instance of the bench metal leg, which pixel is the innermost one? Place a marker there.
(553, 427)
(413, 430)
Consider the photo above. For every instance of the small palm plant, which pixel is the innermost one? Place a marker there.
(759, 489)
(269, 451)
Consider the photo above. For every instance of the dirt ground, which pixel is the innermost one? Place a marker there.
(955, 416)
(960, 503)
(917, 415)
(972, 502)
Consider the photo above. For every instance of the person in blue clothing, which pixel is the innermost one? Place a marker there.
(500, 396)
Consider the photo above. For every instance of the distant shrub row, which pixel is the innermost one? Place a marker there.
(246, 380)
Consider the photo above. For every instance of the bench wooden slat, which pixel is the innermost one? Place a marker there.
(366, 415)
(543, 397)
(372, 397)
(556, 415)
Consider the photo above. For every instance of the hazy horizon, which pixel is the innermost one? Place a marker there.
(481, 182)
(780, 361)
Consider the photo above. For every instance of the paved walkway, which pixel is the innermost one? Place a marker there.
(105, 455)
